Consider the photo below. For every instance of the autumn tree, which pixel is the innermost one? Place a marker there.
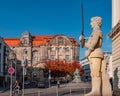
(62, 68)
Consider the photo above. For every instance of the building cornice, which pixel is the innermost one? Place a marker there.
(114, 30)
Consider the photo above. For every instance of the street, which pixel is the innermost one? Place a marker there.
(70, 89)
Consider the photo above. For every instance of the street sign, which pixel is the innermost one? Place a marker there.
(11, 70)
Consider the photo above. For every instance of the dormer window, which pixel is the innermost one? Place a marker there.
(60, 40)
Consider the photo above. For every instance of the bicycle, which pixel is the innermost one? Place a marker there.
(17, 92)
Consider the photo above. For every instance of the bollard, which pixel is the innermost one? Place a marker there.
(84, 91)
(70, 91)
(56, 91)
(39, 93)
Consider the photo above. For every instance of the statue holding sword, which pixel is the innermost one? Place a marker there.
(100, 80)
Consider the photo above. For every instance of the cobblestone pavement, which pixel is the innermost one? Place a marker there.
(70, 89)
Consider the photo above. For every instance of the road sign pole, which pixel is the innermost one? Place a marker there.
(11, 71)
(11, 85)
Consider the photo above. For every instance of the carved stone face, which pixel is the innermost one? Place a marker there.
(96, 22)
(93, 24)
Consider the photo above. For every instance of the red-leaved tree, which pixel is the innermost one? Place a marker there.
(61, 68)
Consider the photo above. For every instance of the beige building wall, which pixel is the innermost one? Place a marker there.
(38, 49)
(60, 47)
(115, 35)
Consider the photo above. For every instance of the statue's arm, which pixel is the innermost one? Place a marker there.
(91, 44)
(87, 44)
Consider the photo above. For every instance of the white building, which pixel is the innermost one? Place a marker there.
(86, 67)
(115, 36)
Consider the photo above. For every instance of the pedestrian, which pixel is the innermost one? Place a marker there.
(58, 84)
(20, 84)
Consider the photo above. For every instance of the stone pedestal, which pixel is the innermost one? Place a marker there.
(77, 79)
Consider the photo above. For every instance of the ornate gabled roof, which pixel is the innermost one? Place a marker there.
(36, 40)
(40, 40)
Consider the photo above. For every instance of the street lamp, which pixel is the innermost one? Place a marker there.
(12, 57)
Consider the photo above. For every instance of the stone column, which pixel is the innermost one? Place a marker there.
(115, 12)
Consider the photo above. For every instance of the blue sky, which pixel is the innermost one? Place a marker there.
(50, 17)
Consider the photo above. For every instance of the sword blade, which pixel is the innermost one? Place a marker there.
(82, 12)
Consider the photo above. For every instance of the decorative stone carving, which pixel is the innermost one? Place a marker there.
(100, 80)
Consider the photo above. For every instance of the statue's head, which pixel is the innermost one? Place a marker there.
(96, 22)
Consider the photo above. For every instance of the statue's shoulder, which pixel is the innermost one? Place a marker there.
(97, 33)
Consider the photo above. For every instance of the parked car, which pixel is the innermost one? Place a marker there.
(41, 84)
(27, 83)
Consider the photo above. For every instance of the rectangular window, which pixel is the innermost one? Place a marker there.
(59, 50)
(52, 57)
(67, 49)
(35, 59)
(52, 49)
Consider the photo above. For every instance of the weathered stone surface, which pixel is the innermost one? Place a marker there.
(100, 80)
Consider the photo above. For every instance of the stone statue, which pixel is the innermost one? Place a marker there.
(100, 80)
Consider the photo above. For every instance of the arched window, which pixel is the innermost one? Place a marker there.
(60, 40)
(67, 49)
(24, 51)
(35, 56)
(35, 52)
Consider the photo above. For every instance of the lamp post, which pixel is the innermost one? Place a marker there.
(12, 57)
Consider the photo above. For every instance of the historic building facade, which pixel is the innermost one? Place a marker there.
(37, 49)
(115, 35)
